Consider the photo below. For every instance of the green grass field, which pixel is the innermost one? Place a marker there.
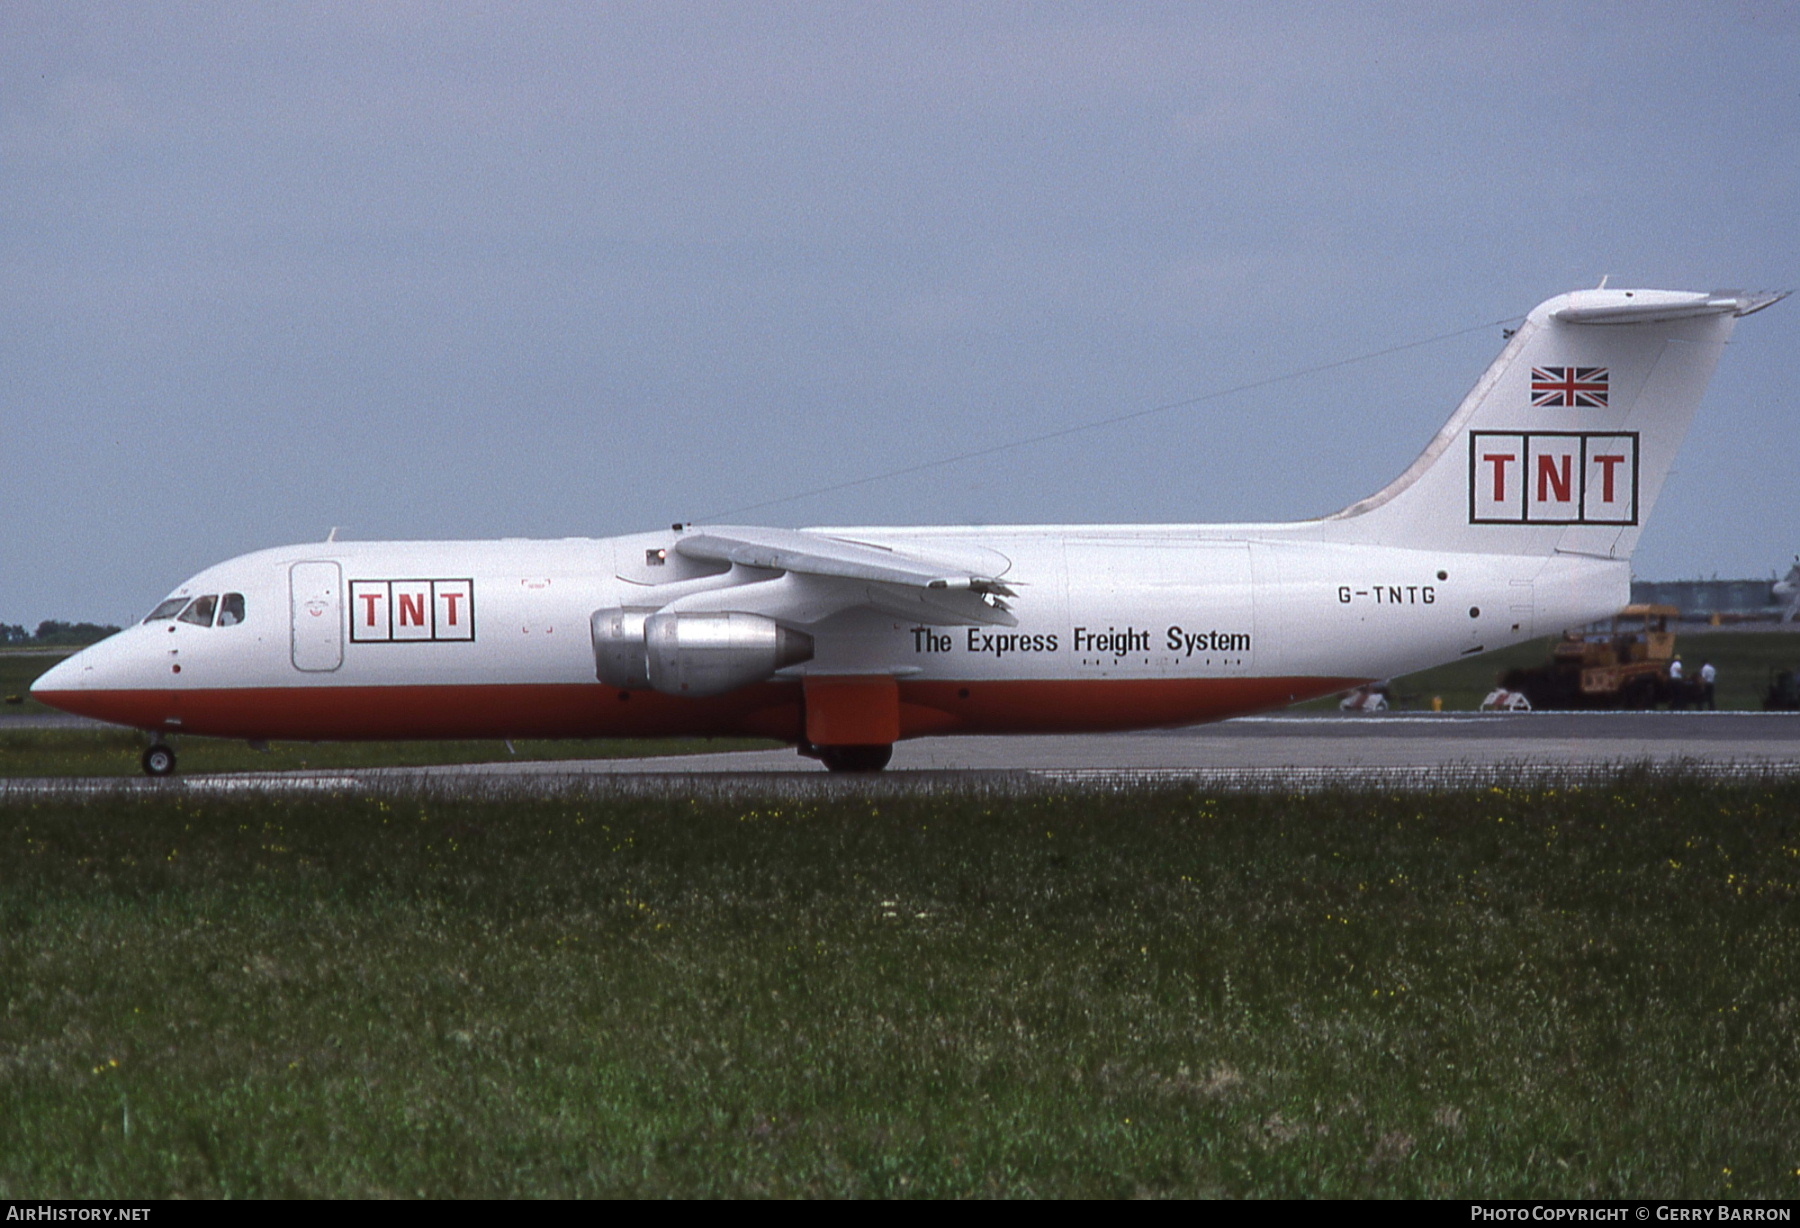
(1541, 993)
(18, 670)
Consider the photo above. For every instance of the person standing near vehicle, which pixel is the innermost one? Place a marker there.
(1678, 692)
(1708, 676)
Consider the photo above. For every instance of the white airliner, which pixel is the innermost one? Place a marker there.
(1518, 519)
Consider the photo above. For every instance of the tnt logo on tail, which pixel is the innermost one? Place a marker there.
(1553, 477)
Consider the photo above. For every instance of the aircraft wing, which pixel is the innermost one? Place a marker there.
(819, 575)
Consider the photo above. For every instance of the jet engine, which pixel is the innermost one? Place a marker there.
(619, 647)
(692, 654)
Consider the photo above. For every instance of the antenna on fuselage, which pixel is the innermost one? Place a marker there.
(332, 536)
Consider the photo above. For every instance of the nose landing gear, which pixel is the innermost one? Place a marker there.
(159, 760)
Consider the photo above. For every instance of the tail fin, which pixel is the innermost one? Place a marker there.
(1564, 444)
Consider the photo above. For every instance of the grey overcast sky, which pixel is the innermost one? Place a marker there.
(440, 270)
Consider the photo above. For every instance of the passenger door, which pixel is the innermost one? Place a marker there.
(317, 602)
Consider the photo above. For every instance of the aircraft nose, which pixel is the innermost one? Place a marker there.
(92, 682)
(65, 675)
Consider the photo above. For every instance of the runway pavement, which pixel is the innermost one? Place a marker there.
(1312, 751)
(1297, 751)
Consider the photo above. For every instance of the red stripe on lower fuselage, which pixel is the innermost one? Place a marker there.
(769, 710)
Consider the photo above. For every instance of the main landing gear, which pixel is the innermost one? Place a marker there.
(852, 758)
(159, 759)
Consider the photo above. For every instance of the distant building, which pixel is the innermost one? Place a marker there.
(1722, 601)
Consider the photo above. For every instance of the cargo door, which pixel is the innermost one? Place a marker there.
(317, 603)
(1161, 604)
(1206, 593)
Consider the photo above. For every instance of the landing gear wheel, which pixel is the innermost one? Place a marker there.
(855, 758)
(159, 760)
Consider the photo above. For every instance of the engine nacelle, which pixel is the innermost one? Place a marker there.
(709, 654)
(691, 654)
(619, 647)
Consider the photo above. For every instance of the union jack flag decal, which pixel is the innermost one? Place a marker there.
(1568, 387)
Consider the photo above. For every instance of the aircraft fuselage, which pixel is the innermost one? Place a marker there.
(1118, 628)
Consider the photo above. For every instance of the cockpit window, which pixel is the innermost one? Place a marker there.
(200, 612)
(167, 609)
(231, 609)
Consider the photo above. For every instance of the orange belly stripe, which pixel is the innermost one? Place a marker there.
(590, 710)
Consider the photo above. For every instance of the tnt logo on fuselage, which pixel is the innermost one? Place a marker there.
(1553, 477)
(411, 611)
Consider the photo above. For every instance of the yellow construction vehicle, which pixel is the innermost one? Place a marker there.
(1621, 663)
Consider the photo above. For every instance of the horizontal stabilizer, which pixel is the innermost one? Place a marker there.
(1652, 306)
